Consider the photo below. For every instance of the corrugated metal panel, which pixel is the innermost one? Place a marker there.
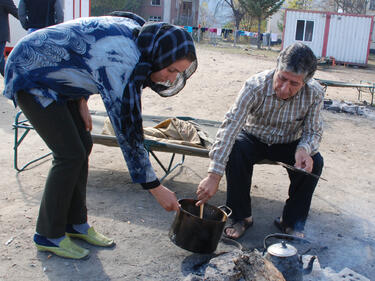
(319, 20)
(348, 38)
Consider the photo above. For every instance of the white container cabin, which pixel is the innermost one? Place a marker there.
(346, 38)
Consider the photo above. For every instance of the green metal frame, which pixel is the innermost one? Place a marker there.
(362, 87)
(170, 169)
(18, 139)
(22, 124)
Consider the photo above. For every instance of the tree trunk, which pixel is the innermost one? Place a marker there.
(259, 36)
(237, 27)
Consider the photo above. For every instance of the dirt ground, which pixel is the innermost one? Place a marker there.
(340, 226)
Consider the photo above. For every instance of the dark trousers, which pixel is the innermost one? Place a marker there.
(248, 151)
(2, 59)
(62, 129)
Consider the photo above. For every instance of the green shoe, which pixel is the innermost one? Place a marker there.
(92, 237)
(67, 248)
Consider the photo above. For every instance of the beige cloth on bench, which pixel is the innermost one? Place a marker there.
(171, 130)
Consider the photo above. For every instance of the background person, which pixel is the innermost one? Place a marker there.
(37, 14)
(277, 116)
(50, 75)
(6, 7)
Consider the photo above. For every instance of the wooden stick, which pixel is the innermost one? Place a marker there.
(224, 218)
(201, 211)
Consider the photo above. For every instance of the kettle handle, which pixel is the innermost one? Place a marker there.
(283, 236)
(225, 208)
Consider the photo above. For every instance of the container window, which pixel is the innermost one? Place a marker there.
(304, 30)
(300, 29)
(309, 30)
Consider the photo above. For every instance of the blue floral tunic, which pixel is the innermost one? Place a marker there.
(77, 59)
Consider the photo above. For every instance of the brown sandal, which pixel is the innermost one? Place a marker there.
(287, 230)
(240, 227)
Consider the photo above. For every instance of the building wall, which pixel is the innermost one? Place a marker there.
(171, 11)
(152, 11)
(167, 11)
(274, 21)
(181, 18)
(174, 11)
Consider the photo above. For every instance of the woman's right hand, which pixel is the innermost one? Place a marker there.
(85, 114)
(166, 198)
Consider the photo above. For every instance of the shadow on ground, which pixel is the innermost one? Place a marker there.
(337, 240)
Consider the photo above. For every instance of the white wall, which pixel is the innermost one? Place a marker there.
(318, 32)
(167, 11)
(348, 38)
(76, 9)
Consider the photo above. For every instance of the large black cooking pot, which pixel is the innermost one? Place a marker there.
(195, 234)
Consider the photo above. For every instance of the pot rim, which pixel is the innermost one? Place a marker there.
(202, 219)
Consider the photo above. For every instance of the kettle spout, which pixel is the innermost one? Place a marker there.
(309, 266)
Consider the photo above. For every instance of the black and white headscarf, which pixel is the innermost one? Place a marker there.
(160, 44)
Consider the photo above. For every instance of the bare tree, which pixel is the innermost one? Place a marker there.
(238, 13)
(351, 6)
(300, 4)
(205, 17)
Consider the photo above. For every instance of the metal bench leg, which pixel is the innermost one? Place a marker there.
(170, 169)
(17, 141)
(359, 94)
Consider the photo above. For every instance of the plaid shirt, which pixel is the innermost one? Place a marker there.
(259, 112)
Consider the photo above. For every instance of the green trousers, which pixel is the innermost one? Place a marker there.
(62, 129)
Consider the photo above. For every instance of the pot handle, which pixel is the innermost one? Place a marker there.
(226, 210)
(282, 236)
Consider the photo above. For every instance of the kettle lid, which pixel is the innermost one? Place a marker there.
(282, 250)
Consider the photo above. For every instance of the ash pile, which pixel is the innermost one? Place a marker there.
(350, 108)
(243, 265)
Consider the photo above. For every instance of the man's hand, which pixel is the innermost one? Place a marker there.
(207, 188)
(166, 198)
(85, 114)
(303, 160)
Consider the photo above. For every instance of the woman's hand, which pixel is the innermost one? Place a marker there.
(166, 198)
(85, 114)
(207, 188)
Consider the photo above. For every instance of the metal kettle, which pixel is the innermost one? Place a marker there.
(285, 257)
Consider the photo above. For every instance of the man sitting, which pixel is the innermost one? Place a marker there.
(276, 116)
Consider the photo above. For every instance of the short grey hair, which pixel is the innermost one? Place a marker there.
(299, 59)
